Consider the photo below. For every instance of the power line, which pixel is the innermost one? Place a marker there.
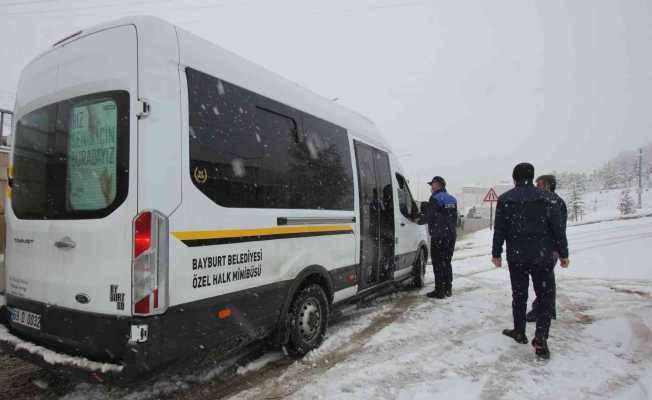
(190, 7)
(99, 6)
(25, 3)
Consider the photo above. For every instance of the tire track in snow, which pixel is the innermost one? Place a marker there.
(310, 369)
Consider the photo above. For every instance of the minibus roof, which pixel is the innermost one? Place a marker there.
(212, 59)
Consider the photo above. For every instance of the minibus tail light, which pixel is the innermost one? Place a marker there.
(150, 264)
(142, 233)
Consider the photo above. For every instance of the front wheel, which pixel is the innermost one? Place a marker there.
(419, 270)
(308, 320)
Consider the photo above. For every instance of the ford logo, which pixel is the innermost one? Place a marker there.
(82, 298)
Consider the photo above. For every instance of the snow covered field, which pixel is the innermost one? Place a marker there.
(453, 349)
(602, 205)
(406, 346)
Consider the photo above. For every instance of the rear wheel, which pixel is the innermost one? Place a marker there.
(419, 270)
(308, 320)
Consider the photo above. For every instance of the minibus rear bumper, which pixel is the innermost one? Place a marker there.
(63, 363)
(91, 346)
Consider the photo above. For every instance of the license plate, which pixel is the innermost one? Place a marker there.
(25, 318)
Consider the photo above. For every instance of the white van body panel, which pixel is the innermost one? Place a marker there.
(159, 141)
(102, 61)
(282, 260)
(409, 235)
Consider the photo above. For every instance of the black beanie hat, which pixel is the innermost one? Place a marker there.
(523, 172)
(439, 179)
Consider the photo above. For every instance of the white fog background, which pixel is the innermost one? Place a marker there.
(463, 89)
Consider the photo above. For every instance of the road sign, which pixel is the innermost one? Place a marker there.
(491, 196)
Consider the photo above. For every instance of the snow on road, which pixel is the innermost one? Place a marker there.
(406, 346)
(601, 343)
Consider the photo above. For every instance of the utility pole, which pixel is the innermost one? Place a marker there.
(640, 177)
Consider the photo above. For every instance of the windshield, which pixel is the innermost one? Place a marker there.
(71, 158)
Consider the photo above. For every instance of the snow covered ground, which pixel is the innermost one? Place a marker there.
(412, 347)
(406, 346)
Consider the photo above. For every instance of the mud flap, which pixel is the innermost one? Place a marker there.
(4, 313)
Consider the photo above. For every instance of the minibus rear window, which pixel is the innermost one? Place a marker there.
(71, 158)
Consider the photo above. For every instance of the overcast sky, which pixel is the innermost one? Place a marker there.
(463, 89)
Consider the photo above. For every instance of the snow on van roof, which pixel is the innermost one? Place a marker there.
(214, 60)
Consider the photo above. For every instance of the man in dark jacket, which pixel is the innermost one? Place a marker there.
(548, 183)
(529, 220)
(440, 213)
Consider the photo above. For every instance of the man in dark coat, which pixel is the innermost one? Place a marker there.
(440, 213)
(548, 183)
(529, 220)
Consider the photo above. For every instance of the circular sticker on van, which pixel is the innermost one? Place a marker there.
(200, 175)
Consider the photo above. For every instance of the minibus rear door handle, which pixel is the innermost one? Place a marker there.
(65, 243)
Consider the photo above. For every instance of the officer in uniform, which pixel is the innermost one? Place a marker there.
(529, 220)
(548, 183)
(440, 213)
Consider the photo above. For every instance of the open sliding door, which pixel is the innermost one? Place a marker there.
(376, 215)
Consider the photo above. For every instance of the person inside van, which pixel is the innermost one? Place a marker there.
(387, 229)
(440, 213)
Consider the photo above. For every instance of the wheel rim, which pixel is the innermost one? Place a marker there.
(309, 319)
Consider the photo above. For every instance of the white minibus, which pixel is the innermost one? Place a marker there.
(168, 197)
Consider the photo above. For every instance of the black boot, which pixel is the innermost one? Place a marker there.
(541, 349)
(438, 293)
(449, 289)
(517, 336)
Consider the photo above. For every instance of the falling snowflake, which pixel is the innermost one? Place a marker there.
(238, 167)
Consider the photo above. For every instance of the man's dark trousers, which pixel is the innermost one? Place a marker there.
(442, 257)
(536, 303)
(543, 280)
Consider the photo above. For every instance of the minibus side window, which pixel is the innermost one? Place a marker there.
(321, 167)
(247, 150)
